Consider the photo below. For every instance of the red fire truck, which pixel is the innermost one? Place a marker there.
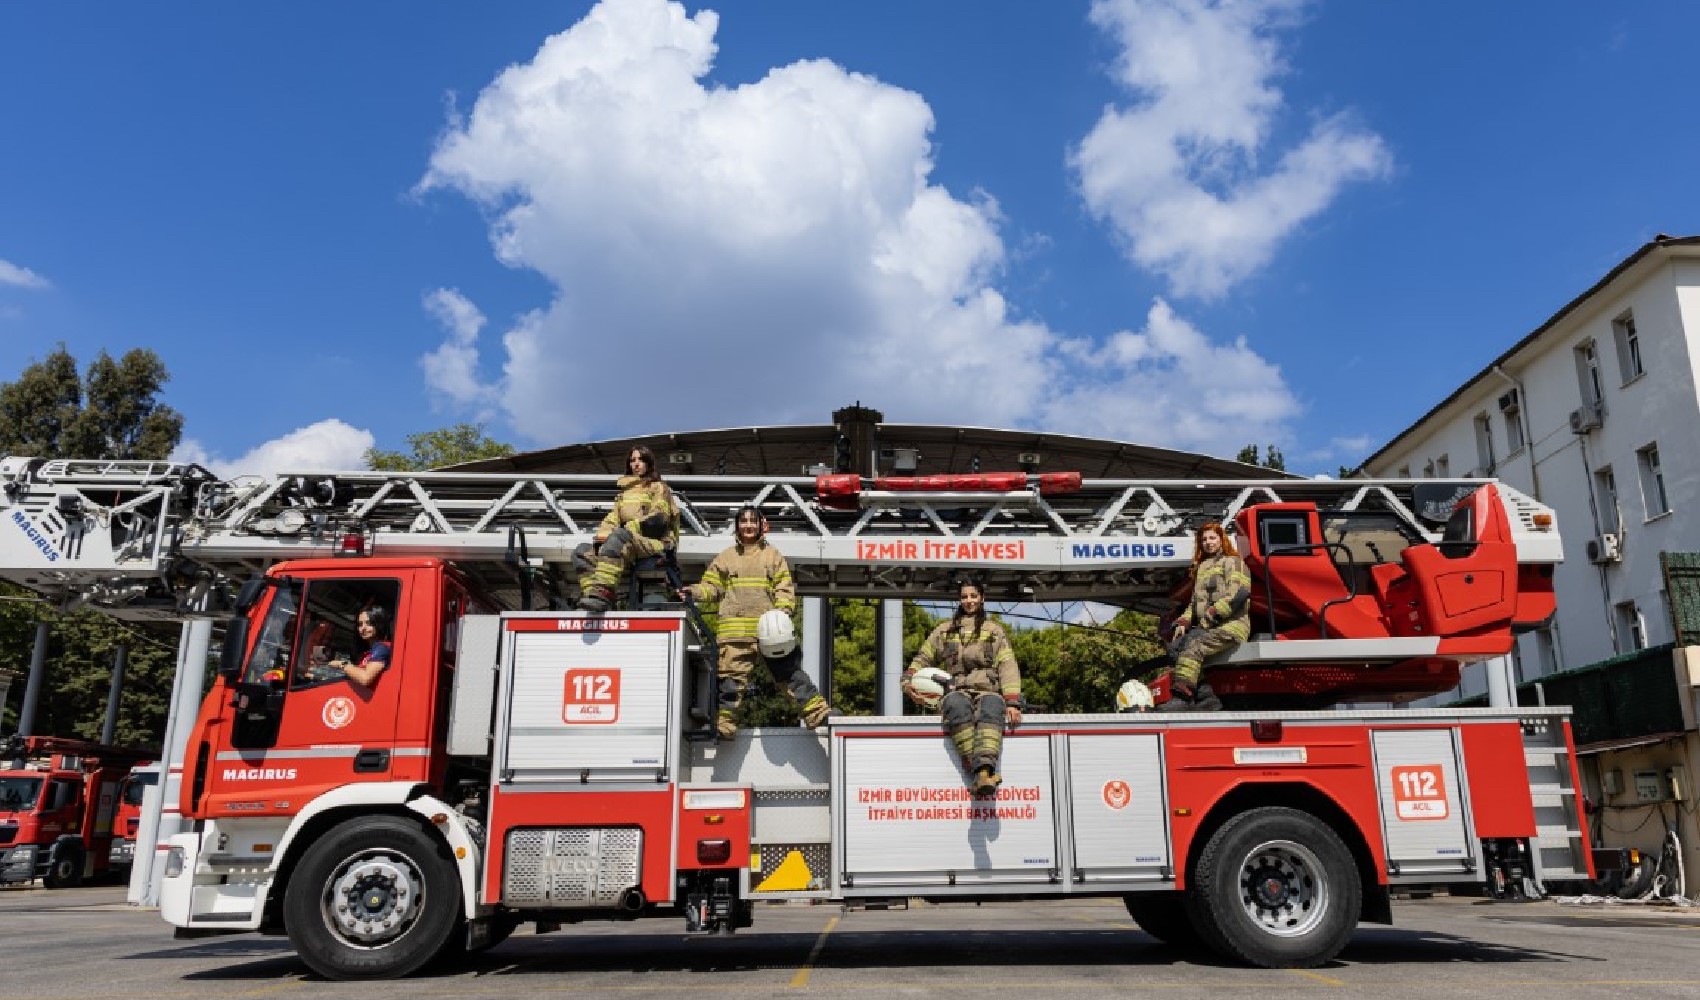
(553, 766)
(57, 802)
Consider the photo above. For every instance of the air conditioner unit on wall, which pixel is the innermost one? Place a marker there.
(1605, 549)
(1586, 418)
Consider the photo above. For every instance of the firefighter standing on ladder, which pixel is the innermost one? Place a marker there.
(985, 691)
(643, 523)
(1217, 618)
(752, 584)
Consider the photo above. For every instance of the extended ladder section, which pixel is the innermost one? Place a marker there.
(152, 539)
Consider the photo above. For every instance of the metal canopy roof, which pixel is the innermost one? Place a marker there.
(792, 450)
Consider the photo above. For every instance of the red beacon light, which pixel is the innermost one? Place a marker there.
(351, 543)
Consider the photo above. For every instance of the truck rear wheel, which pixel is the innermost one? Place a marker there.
(1163, 915)
(66, 870)
(1275, 887)
(373, 898)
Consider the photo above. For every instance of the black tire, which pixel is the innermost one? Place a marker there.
(373, 898)
(1163, 915)
(66, 870)
(1276, 888)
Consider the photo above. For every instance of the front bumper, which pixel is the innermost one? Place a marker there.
(21, 863)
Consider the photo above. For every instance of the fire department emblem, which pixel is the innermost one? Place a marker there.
(338, 712)
(1117, 795)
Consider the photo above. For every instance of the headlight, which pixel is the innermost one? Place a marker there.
(174, 862)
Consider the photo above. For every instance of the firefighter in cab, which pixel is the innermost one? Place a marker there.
(983, 690)
(643, 523)
(751, 582)
(1216, 619)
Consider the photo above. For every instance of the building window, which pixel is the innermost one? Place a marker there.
(1484, 445)
(1403, 473)
(1442, 467)
(1631, 630)
(1428, 469)
(1511, 408)
(1652, 482)
(1628, 346)
(1588, 374)
(1605, 488)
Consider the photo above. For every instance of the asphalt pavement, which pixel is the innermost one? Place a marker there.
(87, 944)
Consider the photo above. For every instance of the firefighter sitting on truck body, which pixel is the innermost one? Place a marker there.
(985, 689)
(1217, 618)
(643, 523)
(751, 582)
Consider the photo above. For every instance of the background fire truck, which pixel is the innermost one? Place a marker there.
(58, 799)
(550, 766)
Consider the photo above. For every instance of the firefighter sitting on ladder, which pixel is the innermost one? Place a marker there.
(644, 522)
(752, 583)
(1217, 618)
(985, 690)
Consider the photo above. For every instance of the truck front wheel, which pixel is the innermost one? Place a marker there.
(66, 869)
(373, 898)
(1275, 887)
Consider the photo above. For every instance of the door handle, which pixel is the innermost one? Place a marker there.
(371, 761)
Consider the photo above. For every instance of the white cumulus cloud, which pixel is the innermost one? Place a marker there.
(451, 371)
(754, 253)
(19, 276)
(1180, 174)
(1169, 383)
(328, 445)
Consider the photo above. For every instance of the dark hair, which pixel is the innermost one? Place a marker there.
(378, 617)
(653, 471)
(979, 616)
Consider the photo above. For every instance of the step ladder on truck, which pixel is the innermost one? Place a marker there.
(550, 766)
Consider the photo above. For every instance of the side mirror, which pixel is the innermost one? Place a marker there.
(235, 647)
(250, 593)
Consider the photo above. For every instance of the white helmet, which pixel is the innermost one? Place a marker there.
(929, 685)
(1134, 697)
(775, 636)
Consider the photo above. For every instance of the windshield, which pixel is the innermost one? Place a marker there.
(270, 660)
(136, 785)
(18, 794)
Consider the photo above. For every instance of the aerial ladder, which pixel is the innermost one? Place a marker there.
(164, 541)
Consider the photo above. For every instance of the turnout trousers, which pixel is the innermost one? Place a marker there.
(738, 659)
(974, 720)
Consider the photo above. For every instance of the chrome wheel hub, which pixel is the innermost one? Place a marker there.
(1283, 889)
(373, 898)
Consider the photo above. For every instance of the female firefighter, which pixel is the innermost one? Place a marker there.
(985, 690)
(749, 581)
(1216, 619)
(644, 522)
(373, 627)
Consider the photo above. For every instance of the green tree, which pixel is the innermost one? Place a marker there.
(111, 411)
(1272, 457)
(439, 448)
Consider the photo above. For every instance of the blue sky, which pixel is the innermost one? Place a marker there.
(1179, 223)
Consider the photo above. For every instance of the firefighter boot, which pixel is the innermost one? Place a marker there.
(986, 782)
(1184, 697)
(596, 599)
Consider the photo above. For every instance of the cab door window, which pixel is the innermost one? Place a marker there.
(330, 638)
